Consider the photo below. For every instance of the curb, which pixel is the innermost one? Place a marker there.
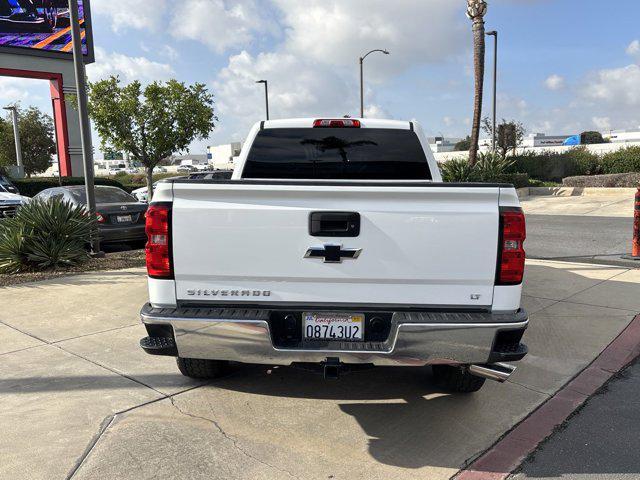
(562, 191)
(508, 453)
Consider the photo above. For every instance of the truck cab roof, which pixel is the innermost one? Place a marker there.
(308, 123)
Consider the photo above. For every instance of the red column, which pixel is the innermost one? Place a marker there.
(60, 121)
(59, 112)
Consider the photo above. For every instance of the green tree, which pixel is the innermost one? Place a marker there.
(36, 138)
(151, 122)
(509, 135)
(463, 145)
(587, 138)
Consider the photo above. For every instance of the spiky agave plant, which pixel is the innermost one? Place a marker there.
(45, 235)
(491, 167)
(457, 170)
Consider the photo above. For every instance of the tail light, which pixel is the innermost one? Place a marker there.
(158, 249)
(339, 123)
(511, 253)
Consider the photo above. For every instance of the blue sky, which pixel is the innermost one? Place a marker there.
(565, 65)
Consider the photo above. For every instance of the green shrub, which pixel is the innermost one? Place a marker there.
(489, 169)
(518, 180)
(45, 235)
(626, 160)
(540, 183)
(554, 166)
(32, 186)
(457, 170)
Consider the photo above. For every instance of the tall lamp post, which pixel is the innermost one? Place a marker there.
(266, 95)
(362, 77)
(494, 34)
(85, 126)
(16, 135)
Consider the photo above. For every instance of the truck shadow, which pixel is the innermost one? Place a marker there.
(410, 422)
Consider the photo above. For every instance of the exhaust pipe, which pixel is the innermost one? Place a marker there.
(500, 372)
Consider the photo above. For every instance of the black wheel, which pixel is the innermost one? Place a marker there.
(456, 379)
(201, 368)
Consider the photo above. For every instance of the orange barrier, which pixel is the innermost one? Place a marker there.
(635, 252)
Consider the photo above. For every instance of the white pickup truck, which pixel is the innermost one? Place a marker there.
(336, 243)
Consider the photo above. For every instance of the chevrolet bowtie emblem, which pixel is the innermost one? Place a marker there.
(333, 253)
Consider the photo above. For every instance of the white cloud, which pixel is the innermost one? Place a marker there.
(376, 111)
(15, 90)
(338, 32)
(511, 104)
(219, 24)
(137, 14)
(296, 89)
(448, 121)
(634, 48)
(166, 51)
(128, 68)
(554, 82)
(169, 52)
(615, 87)
(602, 123)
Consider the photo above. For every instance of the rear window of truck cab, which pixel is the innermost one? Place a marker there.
(337, 153)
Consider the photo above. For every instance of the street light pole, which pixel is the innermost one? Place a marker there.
(16, 135)
(494, 34)
(362, 78)
(266, 95)
(85, 126)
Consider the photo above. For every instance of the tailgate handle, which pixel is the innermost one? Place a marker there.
(334, 224)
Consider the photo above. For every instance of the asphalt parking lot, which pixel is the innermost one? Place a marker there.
(587, 228)
(601, 441)
(79, 398)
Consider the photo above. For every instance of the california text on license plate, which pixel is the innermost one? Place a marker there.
(124, 218)
(333, 326)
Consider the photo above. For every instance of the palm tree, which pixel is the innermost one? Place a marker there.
(476, 10)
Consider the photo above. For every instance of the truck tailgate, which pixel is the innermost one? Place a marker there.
(423, 246)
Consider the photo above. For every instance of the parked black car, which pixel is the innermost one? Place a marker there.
(120, 215)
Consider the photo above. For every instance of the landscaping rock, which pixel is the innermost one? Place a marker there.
(629, 180)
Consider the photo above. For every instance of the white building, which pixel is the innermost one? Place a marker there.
(442, 144)
(622, 136)
(223, 157)
(190, 160)
(543, 140)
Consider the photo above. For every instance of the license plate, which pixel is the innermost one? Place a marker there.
(124, 218)
(333, 326)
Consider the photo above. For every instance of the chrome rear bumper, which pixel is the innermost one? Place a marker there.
(416, 338)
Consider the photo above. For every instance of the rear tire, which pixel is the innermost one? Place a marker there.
(457, 379)
(201, 368)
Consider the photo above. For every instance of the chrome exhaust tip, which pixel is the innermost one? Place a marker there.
(500, 372)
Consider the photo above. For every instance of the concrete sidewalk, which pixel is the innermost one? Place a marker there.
(77, 395)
